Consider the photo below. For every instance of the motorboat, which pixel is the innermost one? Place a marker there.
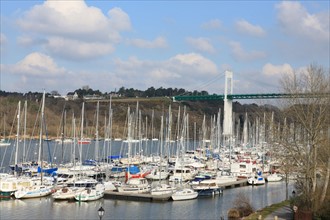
(184, 194)
(274, 177)
(207, 188)
(135, 185)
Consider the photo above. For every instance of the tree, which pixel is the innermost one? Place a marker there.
(304, 138)
(55, 93)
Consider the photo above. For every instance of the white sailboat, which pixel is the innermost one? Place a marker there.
(33, 192)
(90, 194)
(67, 193)
(41, 189)
(3, 141)
(163, 189)
(183, 193)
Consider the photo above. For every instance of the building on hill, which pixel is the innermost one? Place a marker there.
(71, 96)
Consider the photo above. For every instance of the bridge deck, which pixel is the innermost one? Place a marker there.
(251, 96)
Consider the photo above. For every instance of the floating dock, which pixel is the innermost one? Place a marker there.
(166, 197)
(238, 183)
(136, 197)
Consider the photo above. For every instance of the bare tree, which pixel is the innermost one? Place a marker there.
(303, 141)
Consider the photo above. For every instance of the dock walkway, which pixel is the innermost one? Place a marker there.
(149, 197)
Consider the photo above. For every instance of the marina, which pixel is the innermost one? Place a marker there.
(201, 208)
(119, 205)
(164, 110)
(163, 170)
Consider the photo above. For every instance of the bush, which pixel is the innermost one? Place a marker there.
(233, 214)
(243, 205)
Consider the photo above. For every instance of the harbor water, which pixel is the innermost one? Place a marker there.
(201, 208)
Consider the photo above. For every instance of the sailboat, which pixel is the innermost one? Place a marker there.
(90, 194)
(162, 188)
(183, 193)
(138, 184)
(41, 189)
(3, 141)
(67, 193)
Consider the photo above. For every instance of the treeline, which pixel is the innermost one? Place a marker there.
(160, 92)
(122, 92)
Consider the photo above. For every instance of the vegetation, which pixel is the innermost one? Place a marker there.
(55, 107)
(122, 92)
(243, 205)
(267, 210)
(302, 141)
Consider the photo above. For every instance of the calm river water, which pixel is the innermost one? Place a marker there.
(200, 208)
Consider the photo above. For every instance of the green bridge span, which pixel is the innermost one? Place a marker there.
(251, 96)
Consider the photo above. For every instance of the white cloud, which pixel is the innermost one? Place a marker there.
(3, 39)
(76, 49)
(159, 42)
(297, 21)
(245, 27)
(119, 19)
(276, 70)
(36, 64)
(212, 24)
(241, 55)
(201, 44)
(71, 22)
(182, 70)
(195, 62)
(30, 41)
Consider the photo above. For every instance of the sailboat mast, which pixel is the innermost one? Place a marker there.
(97, 133)
(81, 132)
(41, 128)
(63, 116)
(40, 136)
(24, 134)
(17, 139)
(74, 139)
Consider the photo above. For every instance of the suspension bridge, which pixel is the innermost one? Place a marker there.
(228, 98)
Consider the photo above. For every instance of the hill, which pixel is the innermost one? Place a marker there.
(151, 111)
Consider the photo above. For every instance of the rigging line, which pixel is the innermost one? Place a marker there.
(258, 81)
(210, 81)
(203, 85)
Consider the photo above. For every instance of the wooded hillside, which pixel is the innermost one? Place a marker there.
(54, 109)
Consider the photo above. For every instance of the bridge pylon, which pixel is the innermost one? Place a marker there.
(228, 106)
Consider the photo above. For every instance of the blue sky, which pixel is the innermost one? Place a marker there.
(64, 45)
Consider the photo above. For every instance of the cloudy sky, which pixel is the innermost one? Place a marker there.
(64, 45)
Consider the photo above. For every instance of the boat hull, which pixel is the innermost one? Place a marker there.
(33, 192)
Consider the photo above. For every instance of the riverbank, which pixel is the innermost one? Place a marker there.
(282, 210)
